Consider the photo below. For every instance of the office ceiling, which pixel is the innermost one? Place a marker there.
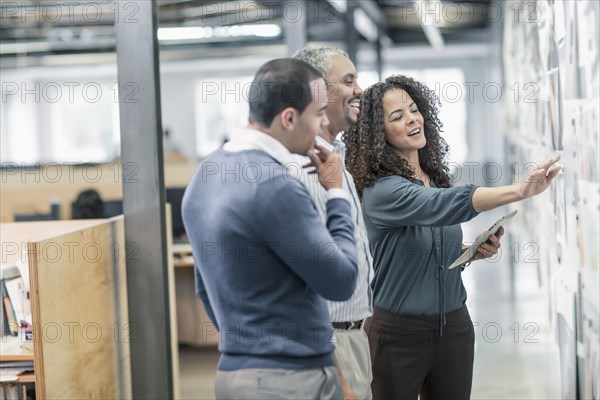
(34, 28)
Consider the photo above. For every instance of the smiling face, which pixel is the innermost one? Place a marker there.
(343, 94)
(403, 123)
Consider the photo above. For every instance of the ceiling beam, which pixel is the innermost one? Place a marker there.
(374, 12)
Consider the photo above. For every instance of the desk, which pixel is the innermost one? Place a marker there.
(193, 324)
(71, 291)
(10, 350)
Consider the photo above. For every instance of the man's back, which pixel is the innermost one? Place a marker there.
(264, 261)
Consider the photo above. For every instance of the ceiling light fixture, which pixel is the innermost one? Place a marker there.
(429, 13)
(364, 25)
(340, 5)
(194, 33)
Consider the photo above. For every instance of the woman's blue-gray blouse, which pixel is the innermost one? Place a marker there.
(415, 234)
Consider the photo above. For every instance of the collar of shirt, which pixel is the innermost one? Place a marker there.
(251, 139)
(337, 146)
(324, 143)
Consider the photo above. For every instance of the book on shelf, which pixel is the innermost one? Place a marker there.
(16, 304)
(17, 390)
(9, 325)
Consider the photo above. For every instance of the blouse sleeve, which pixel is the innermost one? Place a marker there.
(395, 201)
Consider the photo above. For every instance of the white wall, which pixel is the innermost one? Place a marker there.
(179, 79)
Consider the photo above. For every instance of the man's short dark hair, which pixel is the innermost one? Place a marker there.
(279, 84)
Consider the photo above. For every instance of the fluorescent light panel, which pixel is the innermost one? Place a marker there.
(364, 25)
(427, 17)
(340, 5)
(198, 33)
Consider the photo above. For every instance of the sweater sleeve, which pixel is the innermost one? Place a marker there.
(203, 295)
(324, 256)
(395, 201)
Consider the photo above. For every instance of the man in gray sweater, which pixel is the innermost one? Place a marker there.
(265, 261)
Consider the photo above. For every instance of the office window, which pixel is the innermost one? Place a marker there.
(367, 78)
(54, 121)
(85, 127)
(18, 130)
(221, 106)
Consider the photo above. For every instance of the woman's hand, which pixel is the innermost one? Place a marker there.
(538, 180)
(490, 247)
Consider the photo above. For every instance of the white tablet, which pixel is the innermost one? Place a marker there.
(472, 249)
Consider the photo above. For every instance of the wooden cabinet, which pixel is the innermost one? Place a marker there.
(193, 324)
(79, 309)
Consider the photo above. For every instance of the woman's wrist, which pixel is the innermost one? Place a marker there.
(518, 192)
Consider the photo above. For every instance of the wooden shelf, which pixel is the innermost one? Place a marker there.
(27, 377)
(183, 262)
(182, 255)
(193, 324)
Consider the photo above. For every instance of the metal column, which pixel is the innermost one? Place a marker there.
(295, 26)
(379, 58)
(143, 199)
(351, 34)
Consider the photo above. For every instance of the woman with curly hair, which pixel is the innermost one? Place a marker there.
(421, 336)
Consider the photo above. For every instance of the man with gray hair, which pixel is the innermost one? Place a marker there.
(347, 317)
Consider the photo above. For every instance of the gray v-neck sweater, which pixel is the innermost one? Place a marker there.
(265, 262)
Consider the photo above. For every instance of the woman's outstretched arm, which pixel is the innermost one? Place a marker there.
(488, 198)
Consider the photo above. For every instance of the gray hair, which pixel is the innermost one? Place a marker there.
(319, 57)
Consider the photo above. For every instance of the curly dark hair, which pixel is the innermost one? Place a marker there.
(370, 157)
